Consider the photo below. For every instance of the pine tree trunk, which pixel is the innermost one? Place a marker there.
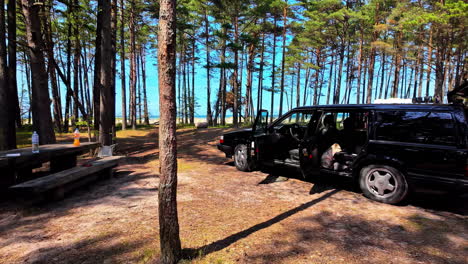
(168, 219)
(57, 106)
(122, 65)
(298, 85)
(28, 74)
(223, 81)
(429, 62)
(5, 116)
(192, 97)
(332, 64)
(139, 86)
(273, 73)
(382, 76)
(113, 65)
(97, 71)
(14, 102)
(42, 120)
(398, 55)
(372, 60)
(76, 65)
(260, 76)
(283, 61)
(209, 117)
(250, 69)
(359, 70)
(106, 95)
(235, 109)
(143, 77)
(133, 76)
(184, 85)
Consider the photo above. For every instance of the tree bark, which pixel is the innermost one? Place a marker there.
(133, 76)
(273, 73)
(105, 69)
(192, 96)
(112, 102)
(57, 105)
(298, 85)
(143, 77)
(122, 65)
(398, 55)
(372, 59)
(260, 75)
(168, 219)
(97, 71)
(235, 110)
(5, 116)
(332, 64)
(42, 120)
(209, 117)
(76, 65)
(283, 61)
(429, 62)
(359, 70)
(14, 102)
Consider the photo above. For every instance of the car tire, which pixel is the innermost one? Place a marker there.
(242, 159)
(383, 184)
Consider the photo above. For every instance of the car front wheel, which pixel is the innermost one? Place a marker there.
(383, 183)
(241, 158)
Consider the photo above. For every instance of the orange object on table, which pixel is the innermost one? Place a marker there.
(76, 136)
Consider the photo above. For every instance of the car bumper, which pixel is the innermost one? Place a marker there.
(228, 150)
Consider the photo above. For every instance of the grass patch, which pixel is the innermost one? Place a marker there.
(186, 166)
(147, 255)
(182, 126)
(23, 139)
(132, 133)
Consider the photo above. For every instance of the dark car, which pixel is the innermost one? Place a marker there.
(387, 148)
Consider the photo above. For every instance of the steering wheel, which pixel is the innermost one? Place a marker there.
(294, 128)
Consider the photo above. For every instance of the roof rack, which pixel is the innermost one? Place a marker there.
(416, 100)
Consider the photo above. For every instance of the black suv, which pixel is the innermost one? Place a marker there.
(386, 148)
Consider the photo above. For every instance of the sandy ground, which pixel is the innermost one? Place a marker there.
(227, 216)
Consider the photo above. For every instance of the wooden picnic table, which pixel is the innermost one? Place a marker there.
(14, 170)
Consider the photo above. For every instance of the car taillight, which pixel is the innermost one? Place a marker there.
(221, 139)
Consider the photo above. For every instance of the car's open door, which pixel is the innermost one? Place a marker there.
(261, 144)
(261, 122)
(308, 148)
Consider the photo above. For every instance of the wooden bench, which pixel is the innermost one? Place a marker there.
(55, 185)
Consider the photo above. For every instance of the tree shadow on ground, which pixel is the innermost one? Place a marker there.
(226, 242)
(107, 247)
(424, 241)
(118, 191)
(439, 203)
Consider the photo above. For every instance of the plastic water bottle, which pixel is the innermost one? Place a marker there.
(35, 142)
(76, 136)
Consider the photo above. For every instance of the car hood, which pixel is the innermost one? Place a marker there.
(239, 131)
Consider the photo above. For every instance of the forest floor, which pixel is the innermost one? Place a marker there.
(228, 216)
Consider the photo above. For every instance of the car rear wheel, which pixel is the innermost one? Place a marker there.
(383, 183)
(242, 159)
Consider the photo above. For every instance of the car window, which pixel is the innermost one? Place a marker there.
(300, 118)
(357, 119)
(340, 118)
(436, 128)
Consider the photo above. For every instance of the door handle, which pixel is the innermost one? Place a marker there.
(412, 150)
